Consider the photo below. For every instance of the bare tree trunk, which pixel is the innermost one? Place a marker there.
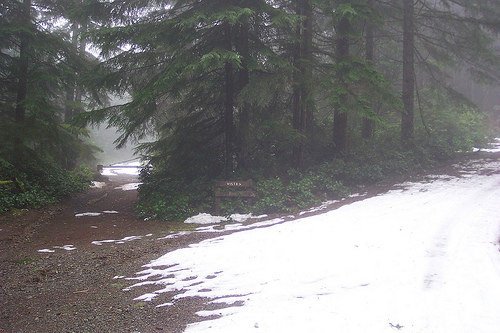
(229, 106)
(22, 84)
(298, 152)
(367, 127)
(244, 78)
(81, 51)
(302, 103)
(70, 89)
(408, 94)
(340, 115)
(307, 38)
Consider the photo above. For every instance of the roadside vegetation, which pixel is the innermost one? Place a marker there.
(450, 132)
(290, 191)
(31, 181)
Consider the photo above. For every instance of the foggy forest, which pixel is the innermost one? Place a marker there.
(307, 98)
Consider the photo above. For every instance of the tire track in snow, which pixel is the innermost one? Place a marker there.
(462, 221)
(454, 228)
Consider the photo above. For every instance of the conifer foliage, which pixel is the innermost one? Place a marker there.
(278, 91)
(270, 89)
(37, 65)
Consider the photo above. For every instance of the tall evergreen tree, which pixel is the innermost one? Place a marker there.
(408, 94)
(447, 35)
(357, 81)
(37, 65)
(24, 45)
(190, 77)
(302, 98)
(342, 57)
(370, 26)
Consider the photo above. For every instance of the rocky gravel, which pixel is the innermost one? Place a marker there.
(76, 290)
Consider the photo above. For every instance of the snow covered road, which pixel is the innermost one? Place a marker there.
(424, 258)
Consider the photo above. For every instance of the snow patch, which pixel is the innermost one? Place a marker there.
(98, 184)
(120, 241)
(130, 168)
(495, 147)
(164, 304)
(64, 247)
(422, 258)
(128, 187)
(205, 218)
(96, 213)
(175, 235)
(87, 214)
(46, 251)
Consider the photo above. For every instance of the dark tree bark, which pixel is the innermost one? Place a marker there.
(408, 93)
(82, 52)
(22, 85)
(70, 89)
(301, 99)
(229, 106)
(367, 126)
(307, 38)
(298, 152)
(243, 78)
(228, 117)
(340, 115)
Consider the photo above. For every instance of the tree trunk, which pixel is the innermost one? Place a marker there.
(307, 38)
(22, 84)
(367, 127)
(301, 99)
(81, 51)
(244, 78)
(340, 115)
(70, 89)
(298, 152)
(229, 106)
(408, 93)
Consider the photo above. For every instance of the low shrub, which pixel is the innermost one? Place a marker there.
(271, 196)
(164, 196)
(32, 182)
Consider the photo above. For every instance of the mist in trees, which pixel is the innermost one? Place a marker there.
(306, 97)
(40, 89)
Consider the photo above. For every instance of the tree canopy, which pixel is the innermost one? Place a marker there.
(264, 89)
(38, 65)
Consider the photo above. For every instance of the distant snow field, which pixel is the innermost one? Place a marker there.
(129, 168)
(423, 258)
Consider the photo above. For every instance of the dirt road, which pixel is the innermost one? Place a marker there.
(69, 286)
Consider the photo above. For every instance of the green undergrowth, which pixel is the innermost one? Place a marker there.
(165, 197)
(30, 181)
